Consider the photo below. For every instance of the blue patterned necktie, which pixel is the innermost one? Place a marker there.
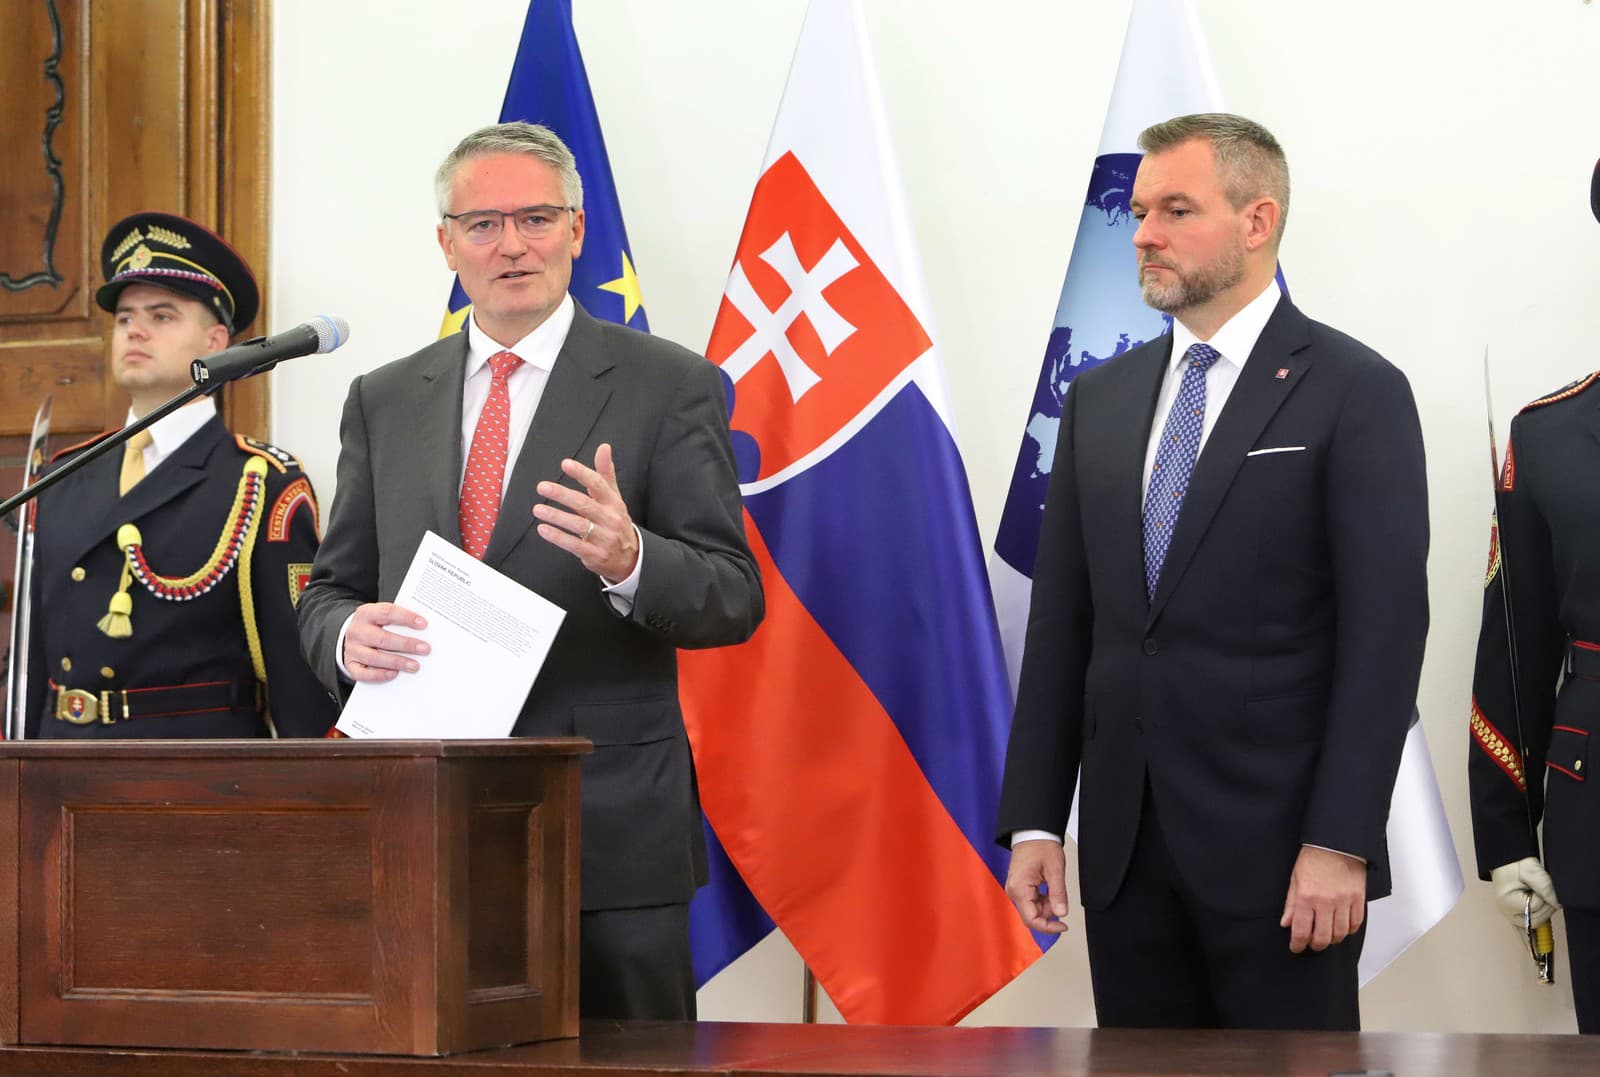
(1180, 444)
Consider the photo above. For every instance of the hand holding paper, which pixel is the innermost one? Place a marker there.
(371, 652)
(485, 637)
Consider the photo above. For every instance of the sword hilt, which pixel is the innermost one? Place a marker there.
(1541, 943)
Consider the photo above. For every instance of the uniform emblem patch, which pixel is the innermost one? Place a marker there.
(299, 576)
(296, 494)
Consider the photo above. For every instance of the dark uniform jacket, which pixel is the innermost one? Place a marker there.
(1545, 556)
(191, 665)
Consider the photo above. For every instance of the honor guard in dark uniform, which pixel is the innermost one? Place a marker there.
(1536, 685)
(166, 575)
(1549, 578)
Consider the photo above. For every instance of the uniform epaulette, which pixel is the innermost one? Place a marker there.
(82, 445)
(1563, 393)
(278, 458)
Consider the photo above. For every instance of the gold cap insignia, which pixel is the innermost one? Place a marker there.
(127, 242)
(168, 237)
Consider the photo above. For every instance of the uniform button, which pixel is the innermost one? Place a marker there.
(79, 575)
(66, 665)
(1577, 764)
(107, 672)
(1150, 646)
(1138, 724)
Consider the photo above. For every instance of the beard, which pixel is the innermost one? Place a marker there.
(1193, 287)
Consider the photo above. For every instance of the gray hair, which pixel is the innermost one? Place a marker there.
(535, 140)
(1250, 162)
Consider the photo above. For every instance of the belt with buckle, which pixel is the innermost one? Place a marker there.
(1583, 660)
(114, 705)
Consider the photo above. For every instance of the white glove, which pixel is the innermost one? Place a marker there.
(1514, 882)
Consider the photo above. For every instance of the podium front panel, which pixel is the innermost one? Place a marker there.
(321, 900)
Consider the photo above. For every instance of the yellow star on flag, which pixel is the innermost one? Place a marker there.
(627, 286)
(454, 320)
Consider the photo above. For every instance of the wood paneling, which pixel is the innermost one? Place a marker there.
(398, 897)
(117, 106)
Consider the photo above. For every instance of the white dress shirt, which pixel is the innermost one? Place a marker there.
(168, 434)
(1234, 342)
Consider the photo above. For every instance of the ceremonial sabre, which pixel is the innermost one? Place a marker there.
(1541, 939)
(22, 583)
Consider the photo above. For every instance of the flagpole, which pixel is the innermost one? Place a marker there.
(808, 998)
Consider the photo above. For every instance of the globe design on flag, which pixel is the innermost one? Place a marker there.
(1101, 315)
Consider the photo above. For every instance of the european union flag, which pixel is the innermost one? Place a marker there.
(549, 86)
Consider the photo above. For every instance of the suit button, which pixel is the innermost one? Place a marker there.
(66, 665)
(1150, 646)
(79, 575)
(1138, 724)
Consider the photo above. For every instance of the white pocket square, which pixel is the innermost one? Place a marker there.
(1281, 448)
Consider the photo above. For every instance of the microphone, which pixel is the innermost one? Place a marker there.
(320, 335)
(1594, 192)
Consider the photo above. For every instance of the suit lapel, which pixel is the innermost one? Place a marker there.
(175, 475)
(573, 398)
(439, 424)
(1256, 397)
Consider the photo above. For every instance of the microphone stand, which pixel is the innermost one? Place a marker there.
(206, 384)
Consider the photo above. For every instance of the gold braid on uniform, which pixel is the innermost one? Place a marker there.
(247, 600)
(238, 534)
(1505, 756)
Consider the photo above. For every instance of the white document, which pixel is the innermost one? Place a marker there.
(489, 637)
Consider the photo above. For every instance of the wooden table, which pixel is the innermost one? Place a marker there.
(749, 1049)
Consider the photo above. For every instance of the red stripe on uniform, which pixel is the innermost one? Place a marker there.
(836, 831)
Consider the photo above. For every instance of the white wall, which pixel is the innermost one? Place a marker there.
(1440, 154)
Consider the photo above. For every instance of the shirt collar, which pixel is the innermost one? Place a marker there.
(539, 348)
(173, 430)
(1237, 338)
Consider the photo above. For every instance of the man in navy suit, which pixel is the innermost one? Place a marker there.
(1227, 625)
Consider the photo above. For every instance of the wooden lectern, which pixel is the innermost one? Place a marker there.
(395, 897)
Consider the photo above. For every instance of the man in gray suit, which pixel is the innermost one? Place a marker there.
(482, 437)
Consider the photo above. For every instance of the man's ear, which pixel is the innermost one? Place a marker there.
(1261, 222)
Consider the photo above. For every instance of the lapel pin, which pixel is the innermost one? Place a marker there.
(1283, 372)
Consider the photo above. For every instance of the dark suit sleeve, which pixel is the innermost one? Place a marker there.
(345, 573)
(700, 585)
(1522, 560)
(300, 707)
(1047, 728)
(1377, 513)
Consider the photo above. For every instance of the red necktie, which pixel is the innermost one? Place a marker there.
(486, 460)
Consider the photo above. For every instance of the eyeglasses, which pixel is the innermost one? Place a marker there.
(485, 225)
